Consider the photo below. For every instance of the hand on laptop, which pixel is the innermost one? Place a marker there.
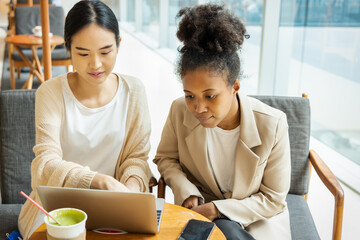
(133, 184)
(106, 182)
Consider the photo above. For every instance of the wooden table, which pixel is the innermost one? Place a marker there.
(32, 42)
(173, 221)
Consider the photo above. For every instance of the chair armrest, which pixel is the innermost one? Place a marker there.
(161, 188)
(152, 183)
(333, 185)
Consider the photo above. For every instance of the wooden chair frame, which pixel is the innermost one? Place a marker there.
(332, 184)
(152, 183)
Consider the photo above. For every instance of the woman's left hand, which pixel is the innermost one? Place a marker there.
(133, 184)
(208, 210)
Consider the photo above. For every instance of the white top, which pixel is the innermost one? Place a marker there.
(93, 137)
(221, 151)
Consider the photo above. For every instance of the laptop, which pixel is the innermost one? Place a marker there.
(113, 210)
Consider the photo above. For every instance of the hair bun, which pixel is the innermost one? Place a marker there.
(210, 29)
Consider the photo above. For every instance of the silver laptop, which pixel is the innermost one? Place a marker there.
(130, 212)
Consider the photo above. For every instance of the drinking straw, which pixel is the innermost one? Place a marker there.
(38, 206)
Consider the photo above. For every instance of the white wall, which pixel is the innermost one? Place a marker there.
(68, 4)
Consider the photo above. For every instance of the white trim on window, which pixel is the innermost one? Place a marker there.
(123, 10)
(268, 47)
(138, 15)
(164, 23)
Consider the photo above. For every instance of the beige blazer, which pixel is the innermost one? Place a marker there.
(262, 167)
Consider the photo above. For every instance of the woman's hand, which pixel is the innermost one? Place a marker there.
(133, 184)
(190, 202)
(106, 182)
(208, 210)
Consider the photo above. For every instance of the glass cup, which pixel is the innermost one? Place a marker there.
(72, 226)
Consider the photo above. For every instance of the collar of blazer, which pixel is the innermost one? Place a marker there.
(246, 159)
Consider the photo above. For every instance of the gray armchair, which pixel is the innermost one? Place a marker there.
(302, 225)
(17, 138)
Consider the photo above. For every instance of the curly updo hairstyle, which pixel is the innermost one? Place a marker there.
(211, 37)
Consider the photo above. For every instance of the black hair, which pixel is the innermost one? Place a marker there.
(211, 37)
(87, 12)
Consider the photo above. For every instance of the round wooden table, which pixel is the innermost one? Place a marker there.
(172, 223)
(32, 42)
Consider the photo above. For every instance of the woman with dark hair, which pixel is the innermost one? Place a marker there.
(92, 125)
(225, 155)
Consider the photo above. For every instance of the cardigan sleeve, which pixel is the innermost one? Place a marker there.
(48, 167)
(134, 154)
(275, 184)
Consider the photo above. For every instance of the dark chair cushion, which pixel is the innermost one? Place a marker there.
(301, 222)
(297, 110)
(56, 54)
(17, 131)
(26, 18)
(9, 214)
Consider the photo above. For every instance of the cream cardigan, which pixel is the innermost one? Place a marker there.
(49, 169)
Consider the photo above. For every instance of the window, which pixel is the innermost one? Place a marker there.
(174, 8)
(318, 54)
(130, 6)
(314, 48)
(114, 6)
(250, 12)
(150, 18)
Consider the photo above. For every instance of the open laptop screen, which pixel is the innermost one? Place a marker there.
(130, 212)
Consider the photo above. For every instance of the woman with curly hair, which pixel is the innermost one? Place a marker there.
(225, 155)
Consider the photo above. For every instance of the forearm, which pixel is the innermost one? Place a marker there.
(251, 209)
(179, 183)
(49, 169)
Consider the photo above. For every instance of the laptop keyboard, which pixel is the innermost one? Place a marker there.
(158, 216)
